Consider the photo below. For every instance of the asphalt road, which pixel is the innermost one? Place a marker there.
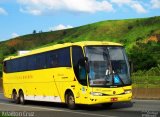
(136, 108)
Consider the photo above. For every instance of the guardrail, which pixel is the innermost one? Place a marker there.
(146, 87)
(146, 93)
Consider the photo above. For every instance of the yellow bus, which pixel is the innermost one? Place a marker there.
(88, 72)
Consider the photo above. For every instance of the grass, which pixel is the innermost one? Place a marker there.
(113, 30)
(145, 85)
(116, 31)
(3, 115)
(146, 81)
(126, 31)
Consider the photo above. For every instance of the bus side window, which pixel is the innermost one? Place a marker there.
(64, 53)
(55, 59)
(31, 62)
(78, 66)
(41, 61)
(50, 59)
(9, 66)
(58, 58)
(22, 64)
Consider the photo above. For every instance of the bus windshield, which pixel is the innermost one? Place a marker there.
(108, 66)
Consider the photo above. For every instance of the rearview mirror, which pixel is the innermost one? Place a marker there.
(87, 66)
(84, 62)
(85, 58)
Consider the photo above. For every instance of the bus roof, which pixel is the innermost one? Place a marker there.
(57, 46)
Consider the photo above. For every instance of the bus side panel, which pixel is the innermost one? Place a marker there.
(66, 79)
(63, 79)
(41, 86)
(7, 85)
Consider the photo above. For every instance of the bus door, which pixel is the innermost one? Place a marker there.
(80, 74)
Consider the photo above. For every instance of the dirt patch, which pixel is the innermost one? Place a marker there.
(155, 38)
(146, 93)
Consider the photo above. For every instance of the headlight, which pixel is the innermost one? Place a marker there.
(96, 93)
(128, 91)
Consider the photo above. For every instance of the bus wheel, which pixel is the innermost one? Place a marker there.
(15, 97)
(107, 105)
(70, 101)
(21, 98)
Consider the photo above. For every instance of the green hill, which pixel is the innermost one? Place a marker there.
(141, 37)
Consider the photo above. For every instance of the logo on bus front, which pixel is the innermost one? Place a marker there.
(83, 90)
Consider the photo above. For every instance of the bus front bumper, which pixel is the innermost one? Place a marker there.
(109, 99)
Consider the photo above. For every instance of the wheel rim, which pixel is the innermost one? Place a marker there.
(14, 97)
(21, 98)
(71, 100)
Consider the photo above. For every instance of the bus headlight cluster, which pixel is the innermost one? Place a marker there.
(96, 93)
(128, 91)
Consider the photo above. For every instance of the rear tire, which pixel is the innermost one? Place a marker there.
(21, 98)
(70, 100)
(15, 97)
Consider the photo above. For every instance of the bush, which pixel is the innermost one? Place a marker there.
(130, 27)
(61, 42)
(154, 71)
(144, 56)
(0, 74)
(0, 70)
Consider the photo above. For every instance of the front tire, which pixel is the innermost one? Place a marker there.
(70, 100)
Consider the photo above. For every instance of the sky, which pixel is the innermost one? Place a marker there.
(21, 17)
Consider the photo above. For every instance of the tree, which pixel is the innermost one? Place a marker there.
(40, 31)
(34, 31)
(130, 27)
(142, 57)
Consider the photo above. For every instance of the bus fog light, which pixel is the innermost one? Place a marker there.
(128, 91)
(96, 93)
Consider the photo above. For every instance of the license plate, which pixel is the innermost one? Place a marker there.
(114, 99)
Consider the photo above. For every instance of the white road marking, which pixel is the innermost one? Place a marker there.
(82, 113)
(24, 106)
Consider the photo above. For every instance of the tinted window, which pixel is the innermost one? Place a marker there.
(9, 66)
(59, 58)
(64, 57)
(15, 65)
(51, 59)
(79, 65)
(55, 58)
(31, 62)
(41, 61)
(22, 64)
